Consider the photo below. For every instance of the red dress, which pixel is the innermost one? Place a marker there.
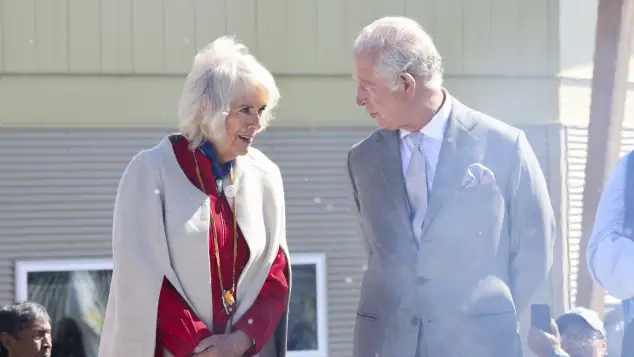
(178, 329)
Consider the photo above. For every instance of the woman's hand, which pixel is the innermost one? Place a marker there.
(233, 344)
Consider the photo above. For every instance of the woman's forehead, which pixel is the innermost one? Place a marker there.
(253, 95)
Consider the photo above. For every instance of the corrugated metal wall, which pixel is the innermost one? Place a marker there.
(57, 189)
(577, 144)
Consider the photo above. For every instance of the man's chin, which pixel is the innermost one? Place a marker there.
(386, 126)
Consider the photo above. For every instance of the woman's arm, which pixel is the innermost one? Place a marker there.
(179, 330)
(261, 320)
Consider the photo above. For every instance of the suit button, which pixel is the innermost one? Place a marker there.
(415, 320)
(421, 281)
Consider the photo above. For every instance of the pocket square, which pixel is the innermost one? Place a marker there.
(478, 174)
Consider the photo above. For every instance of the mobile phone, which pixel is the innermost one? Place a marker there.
(540, 317)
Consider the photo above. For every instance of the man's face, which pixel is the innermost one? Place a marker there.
(580, 340)
(374, 93)
(34, 341)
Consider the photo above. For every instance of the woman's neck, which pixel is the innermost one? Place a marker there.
(222, 157)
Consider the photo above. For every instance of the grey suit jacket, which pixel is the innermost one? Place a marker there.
(483, 253)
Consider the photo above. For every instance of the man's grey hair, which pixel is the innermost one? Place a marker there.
(222, 70)
(19, 316)
(400, 45)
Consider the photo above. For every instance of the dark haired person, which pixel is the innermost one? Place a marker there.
(25, 330)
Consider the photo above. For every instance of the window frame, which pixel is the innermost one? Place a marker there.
(24, 267)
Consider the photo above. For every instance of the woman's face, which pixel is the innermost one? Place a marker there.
(243, 123)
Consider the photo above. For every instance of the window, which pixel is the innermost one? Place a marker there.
(75, 293)
(308, 311)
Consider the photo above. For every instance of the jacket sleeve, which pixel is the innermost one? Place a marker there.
(610, 254)
(178, 329)
(138, 236)
(354, 199)
(531, 224)
(261, 320)
(139, 255)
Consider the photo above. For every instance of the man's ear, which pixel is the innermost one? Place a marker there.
(408, 84)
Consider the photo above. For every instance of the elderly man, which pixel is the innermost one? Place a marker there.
(452, 204)
(25, 331)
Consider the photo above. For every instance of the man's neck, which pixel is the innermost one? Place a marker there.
(429, 108)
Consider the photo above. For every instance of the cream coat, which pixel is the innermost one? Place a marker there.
(161, 228)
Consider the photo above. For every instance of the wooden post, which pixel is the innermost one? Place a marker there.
(611, 57)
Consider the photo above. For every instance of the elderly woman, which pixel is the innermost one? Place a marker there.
(200, 259)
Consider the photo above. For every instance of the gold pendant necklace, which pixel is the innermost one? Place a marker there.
(229, 295)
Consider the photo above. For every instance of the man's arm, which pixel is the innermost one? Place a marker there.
(356, 209)
(610, 253)
(531, 224)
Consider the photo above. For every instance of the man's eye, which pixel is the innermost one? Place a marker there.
(245, 110)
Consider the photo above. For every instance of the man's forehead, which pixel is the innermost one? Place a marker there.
(363, 67)
(40, 325)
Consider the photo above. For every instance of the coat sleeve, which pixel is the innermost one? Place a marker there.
(610, 252)
(261, 320)
(140, 261)
(354, 199)
(531, 225)
(178, 329)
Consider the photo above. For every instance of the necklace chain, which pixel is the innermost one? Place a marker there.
(228, 296)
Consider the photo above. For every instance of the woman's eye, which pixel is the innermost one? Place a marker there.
(245, 110)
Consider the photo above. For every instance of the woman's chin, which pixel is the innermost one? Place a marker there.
(243, 150)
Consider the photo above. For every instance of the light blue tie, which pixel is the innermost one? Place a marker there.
(416, 184)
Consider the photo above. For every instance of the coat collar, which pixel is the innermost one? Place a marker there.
(246, 179)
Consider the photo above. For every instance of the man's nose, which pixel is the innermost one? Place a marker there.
(47, 342)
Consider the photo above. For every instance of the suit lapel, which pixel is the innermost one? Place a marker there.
(392, 174)
(459, 150)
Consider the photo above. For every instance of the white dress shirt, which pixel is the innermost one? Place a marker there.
(610, 254)
(433, 134)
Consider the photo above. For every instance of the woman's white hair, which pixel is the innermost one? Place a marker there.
(222, 70)
(399, 45)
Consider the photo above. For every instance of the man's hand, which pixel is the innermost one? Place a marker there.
(225, 345)
(545, 344)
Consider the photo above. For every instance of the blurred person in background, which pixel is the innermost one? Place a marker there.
(68, 339)
(199, 237)
(25, 330)
(610, 252)
(452, 205)
(577, 333)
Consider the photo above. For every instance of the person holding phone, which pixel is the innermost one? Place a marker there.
(577, 333)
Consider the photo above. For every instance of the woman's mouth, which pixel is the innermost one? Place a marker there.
(248, 139)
